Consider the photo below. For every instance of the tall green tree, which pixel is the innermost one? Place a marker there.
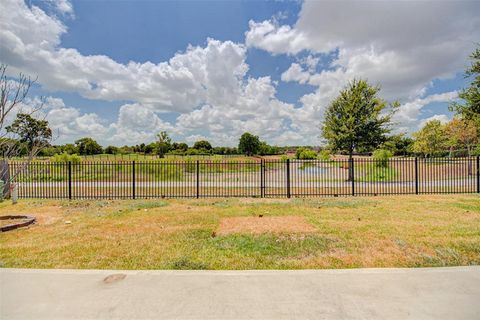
(358, 119)
(179, 146)
(35, 133)
(164, 143)
(469, 109)
(111, 150)
(88, 146)
(249, 144)
(202, 144)
(431, 140)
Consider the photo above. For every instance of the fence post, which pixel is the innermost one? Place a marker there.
(198, 179)
(352, 164)
(416, 175)
(70, 180)
(133, 179)
(288, 178)
(478, 174)
(262, 178)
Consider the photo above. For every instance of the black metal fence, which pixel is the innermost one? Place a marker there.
(252, 178)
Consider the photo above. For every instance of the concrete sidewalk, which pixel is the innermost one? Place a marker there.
(429, 293)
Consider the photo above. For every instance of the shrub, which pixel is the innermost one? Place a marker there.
(298, 152)
(305, 154)
(193, 152)
(476, 150)
(325, 155)
(308, 155)
(381, 157)
(65, 157)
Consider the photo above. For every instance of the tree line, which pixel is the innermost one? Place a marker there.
(357, 121)
(249, 144)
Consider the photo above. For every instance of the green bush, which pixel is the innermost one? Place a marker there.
(193, 152)
(476, 150)
(325, 155)
(305, 154)
(65, 157)
(298, 152)
(381, 157)
(308, 155)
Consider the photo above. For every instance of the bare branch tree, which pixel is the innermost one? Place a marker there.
(13, 94)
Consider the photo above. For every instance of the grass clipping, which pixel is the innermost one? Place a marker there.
(259, 225)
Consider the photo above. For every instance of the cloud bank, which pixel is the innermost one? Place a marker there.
(402, 46)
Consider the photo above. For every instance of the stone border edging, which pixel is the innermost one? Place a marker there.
(8, 227)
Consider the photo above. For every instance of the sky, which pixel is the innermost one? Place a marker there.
(122, 71)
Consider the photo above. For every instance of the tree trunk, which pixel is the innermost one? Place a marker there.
(5, 176)
(350, 166)
(470, 169)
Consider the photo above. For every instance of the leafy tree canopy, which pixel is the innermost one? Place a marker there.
(182, 146)
(249, 144)
(202, 144)
(357, 119)
(111, 150)
(88, 146)
(398, 144)
(462, 134)
(470, 108)
(33, 132)
(431, 140)
(164, 143)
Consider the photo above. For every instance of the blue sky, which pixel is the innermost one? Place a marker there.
(154, 31)
(121, 71)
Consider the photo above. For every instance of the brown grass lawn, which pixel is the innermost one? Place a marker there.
(401, 231)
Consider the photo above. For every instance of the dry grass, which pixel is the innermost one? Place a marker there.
(260, 225)
(402, 231)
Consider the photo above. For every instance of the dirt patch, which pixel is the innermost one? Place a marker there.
(264, 200)
(258, 225)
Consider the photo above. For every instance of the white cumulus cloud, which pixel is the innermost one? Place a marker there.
(401, 45)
